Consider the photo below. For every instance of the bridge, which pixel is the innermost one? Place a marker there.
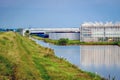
(49, 30)
(55, 33)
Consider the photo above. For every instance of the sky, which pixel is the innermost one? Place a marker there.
(57, 13)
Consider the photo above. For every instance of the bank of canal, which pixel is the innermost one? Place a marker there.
(100, 59)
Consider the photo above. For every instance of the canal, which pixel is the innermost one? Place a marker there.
(103, 60)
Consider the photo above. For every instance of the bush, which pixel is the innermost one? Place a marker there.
(118, 43)
(27, 33)
(63, 41)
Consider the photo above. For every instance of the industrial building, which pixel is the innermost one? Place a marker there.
(96, 32)
(69, 35)
(88, 32)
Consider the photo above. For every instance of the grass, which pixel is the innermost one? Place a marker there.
(75, 42)
(46, 39)
(23, 59)
(5, 68)
(41, 68)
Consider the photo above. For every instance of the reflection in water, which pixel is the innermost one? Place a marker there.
(100, 55)
(105, 60)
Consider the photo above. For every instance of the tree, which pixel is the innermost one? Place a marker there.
(27, 33)
(63, 41)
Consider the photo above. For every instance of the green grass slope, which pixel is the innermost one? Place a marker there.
(23, 59)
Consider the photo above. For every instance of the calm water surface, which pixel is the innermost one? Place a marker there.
(103, 60)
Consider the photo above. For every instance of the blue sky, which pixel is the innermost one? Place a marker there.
(57, 13)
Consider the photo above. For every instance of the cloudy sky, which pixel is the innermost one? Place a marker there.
(57, 13)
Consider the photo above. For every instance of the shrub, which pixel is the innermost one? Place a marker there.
(63, 41)
(27, 33)
(118, 43)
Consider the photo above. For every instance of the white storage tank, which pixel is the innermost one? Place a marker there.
(69, 35)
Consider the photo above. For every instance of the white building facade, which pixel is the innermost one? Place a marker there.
(58, 33)
(68, 35)
(99, 32)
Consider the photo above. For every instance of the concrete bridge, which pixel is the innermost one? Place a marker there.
(49, 30)
(55, 33)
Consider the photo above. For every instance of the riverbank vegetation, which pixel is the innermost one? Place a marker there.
(64, 41)
(118, 43)
(23, 59)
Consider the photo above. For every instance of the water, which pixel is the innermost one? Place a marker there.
(103, 60)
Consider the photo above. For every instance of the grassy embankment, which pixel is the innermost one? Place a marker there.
(76, 42)
(23, 59)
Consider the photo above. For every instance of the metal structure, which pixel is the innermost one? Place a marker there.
(96, 32)
(55, 33)
(37, 30)
(69, 35)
